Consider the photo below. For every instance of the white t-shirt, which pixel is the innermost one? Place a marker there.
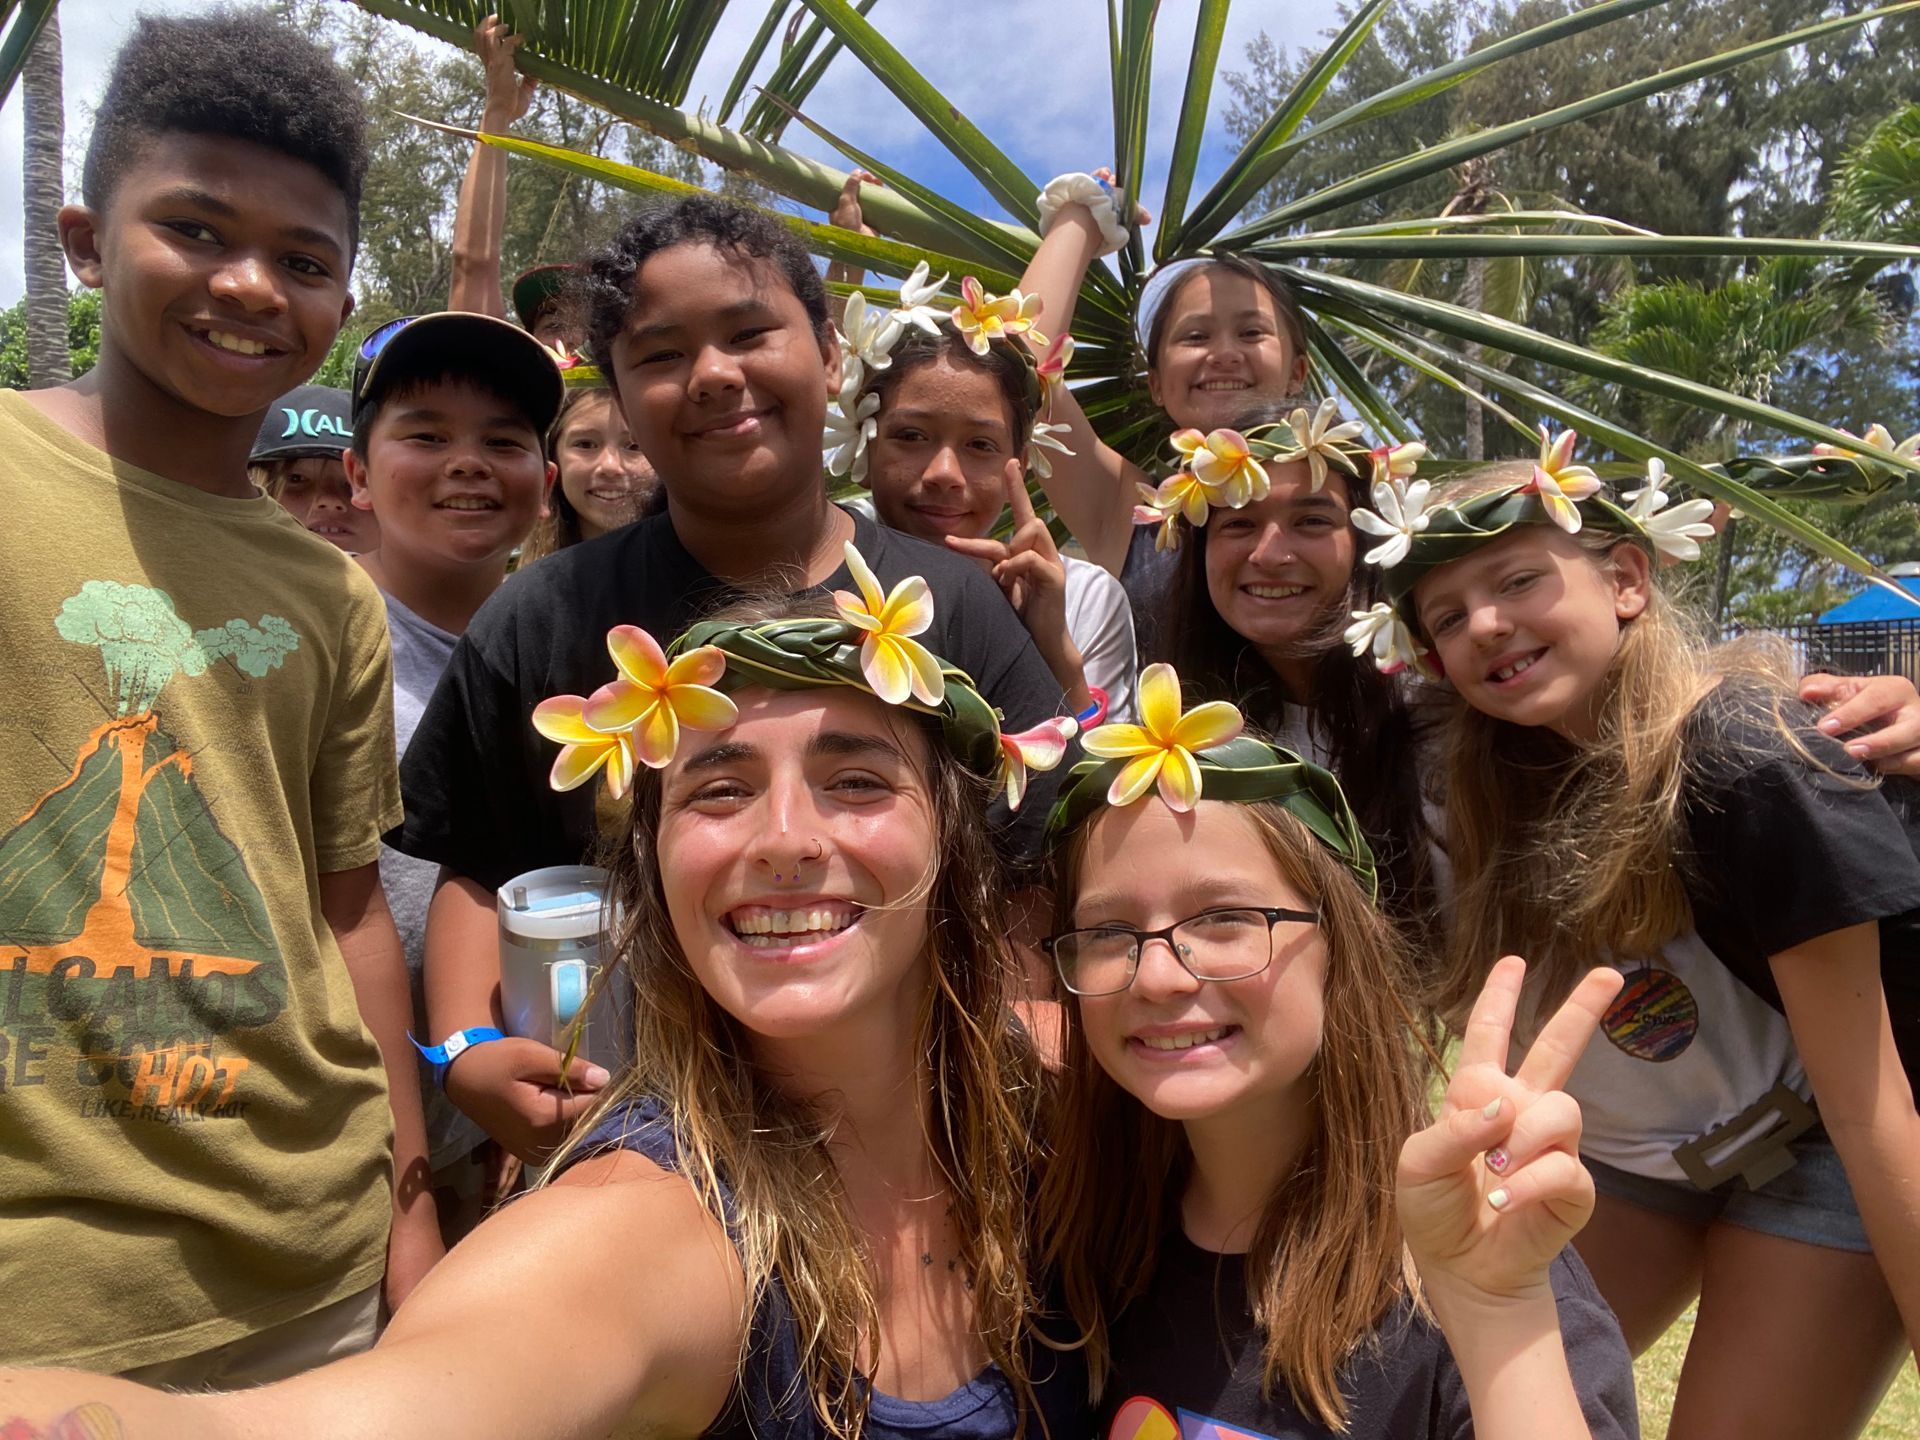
(1635, 1108)
(1101, 624)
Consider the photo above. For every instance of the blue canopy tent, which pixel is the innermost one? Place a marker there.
(1874, 633)
(1874, 603)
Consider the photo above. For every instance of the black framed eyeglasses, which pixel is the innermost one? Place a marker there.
(1232, 943)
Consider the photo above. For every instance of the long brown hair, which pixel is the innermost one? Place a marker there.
(739, 1133)
(560, 527)
(1562, 851)
(1327, 1263)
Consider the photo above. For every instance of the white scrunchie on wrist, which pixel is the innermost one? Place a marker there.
(1079, 188)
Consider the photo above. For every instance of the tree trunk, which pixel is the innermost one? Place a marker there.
(49, 356)
(1723, 575)
(1472, 297)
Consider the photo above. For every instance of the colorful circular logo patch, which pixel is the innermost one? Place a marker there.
(1655, 1017)
(1143, 1418)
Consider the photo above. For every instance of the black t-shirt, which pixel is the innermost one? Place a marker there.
(1782, 851)
(474, 777)
(1188, 1361)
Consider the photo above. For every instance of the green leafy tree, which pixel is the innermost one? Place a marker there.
(83, 337)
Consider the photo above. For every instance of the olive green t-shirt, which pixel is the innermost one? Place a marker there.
(196, 723)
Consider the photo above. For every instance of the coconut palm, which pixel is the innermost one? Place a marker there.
(595, 48)
(43, 128)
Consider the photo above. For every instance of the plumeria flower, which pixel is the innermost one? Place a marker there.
(1878, 437)
(583, 749)
(1319, 440)
(1223, 459)
(1402, 515)
(868, 332)
(982, 318)
(1052, 367)
(1040, 439)
(1559, 482)
(896, 665)
(1677, 532)
(653, 698)
(1041, 748)
(1162, 746)
(916, 296)
(850, 428)
(1382, 631)
(1148, 512)
(1397, 462)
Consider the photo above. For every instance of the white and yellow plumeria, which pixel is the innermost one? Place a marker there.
(1397, 462)
(1040, 439)
(982, 318)
(1382, 631)
(1219, 472)
(1149, 512)
(1160, 749)
(1676, 531)
(895, 665)
(868, 333)
(917, 294)
(851, 425)
(1399, 513)
(1878, 437)
(1319, 440)
(1041, 748)
(1559, 482)
(636, 716)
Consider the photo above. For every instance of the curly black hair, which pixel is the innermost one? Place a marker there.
(240, 75)
(606, 291)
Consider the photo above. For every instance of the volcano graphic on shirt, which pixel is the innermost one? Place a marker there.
(124, 906)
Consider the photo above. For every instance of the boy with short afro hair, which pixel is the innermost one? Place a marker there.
(202, 995)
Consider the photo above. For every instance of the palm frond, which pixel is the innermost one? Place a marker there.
(21, 22)
(1358, 329)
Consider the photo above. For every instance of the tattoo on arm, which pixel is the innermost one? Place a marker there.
(88, 1422)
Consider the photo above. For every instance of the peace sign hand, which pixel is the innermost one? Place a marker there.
(1494, 1189)
(1028, 568)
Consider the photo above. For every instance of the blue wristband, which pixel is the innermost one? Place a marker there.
(442, 1055)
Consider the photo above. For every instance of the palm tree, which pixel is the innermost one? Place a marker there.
(578, 45)
(49, 358)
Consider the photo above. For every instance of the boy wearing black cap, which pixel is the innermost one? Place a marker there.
(299, 460)
(201, 992)
(450, 411)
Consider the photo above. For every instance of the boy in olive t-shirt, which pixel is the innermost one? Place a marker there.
(201, 991)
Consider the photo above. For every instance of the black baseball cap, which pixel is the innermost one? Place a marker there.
(532, 289)
(460, 342)
(313, 420)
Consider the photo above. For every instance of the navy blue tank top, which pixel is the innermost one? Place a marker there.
(770, 1400)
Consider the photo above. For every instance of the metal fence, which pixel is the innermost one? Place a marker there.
(1875, 647)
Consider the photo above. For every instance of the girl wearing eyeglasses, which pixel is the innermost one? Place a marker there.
(1262, 1234)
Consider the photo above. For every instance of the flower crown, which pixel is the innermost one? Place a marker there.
(868, 335)
(1225, 469)
(1418, 534)
(1187, 755)
(870, 646)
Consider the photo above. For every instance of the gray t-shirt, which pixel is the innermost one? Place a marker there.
(420, 655)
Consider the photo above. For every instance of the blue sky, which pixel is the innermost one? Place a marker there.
(1032, 74)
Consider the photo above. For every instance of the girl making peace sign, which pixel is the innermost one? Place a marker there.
(1234, 1235)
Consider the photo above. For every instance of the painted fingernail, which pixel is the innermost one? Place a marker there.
(1492, 1110)
(1498, 1198)
(1830, 726)
(1497, 1160)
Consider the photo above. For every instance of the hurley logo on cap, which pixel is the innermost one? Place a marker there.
(315, 424)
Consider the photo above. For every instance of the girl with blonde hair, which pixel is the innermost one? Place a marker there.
(1618, 791)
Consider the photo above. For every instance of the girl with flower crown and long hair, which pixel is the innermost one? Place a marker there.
(941, 415)
(803, 1211)
(1618, 791)
(1261, 1228)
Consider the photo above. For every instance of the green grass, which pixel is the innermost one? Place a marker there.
(1657, 1372)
